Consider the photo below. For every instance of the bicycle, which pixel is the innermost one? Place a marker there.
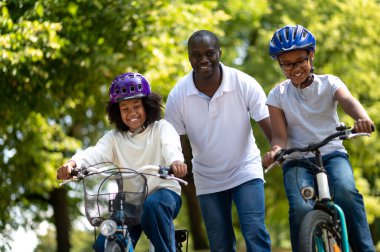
(324, 228)
(114, 198)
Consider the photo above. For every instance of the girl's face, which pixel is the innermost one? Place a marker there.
(132, 113)
(296, 65)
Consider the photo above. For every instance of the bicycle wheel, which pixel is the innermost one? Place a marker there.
(317, 233)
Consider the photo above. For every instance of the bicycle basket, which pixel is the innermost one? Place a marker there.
(114, 193)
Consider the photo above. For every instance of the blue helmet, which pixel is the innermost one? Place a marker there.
(289, 38)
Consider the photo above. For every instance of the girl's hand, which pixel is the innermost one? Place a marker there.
(64, 172)
(179, 169)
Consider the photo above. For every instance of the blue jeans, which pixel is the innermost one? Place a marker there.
(159, 211)
(343, 191)
(217, 215)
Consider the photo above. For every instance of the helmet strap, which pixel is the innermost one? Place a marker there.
(307, 82)
(138, 131)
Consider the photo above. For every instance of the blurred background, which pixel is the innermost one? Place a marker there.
(58, 57)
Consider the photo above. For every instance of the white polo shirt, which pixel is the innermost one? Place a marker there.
(224, 151)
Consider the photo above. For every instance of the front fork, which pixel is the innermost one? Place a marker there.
(343, 229)
(334, 209)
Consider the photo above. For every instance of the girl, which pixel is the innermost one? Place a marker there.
(141, 138)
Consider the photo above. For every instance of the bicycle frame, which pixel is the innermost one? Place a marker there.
(326, 201)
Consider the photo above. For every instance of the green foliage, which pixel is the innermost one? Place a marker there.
(58, 58)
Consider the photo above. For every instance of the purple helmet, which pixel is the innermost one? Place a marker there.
(128, 86)
(289, 38)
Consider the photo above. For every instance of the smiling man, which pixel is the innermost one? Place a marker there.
(213, 105)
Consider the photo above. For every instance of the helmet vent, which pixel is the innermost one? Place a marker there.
(286, 34)
(139, 87)
(131, 89)
(123, 90)
(304, 33)
(294, 34)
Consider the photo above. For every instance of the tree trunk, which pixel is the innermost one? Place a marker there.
(58, 201)
(200, 240)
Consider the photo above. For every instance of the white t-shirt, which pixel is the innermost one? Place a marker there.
(310, 113)
(224, 151)
(158, 144)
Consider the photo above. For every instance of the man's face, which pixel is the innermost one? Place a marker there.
(204, 56)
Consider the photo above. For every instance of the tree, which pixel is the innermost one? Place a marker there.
(58, 58)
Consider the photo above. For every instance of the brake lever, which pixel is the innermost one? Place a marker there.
(271, 166)
(167, 173)
(279, 157)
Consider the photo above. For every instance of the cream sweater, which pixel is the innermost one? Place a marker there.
(158, 144)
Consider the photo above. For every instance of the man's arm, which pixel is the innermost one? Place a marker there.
(266, 127)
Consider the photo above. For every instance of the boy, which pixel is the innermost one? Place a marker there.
(302, 111)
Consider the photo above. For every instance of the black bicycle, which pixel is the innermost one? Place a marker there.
(324, 228)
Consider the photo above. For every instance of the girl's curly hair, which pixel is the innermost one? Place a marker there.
(153, 108)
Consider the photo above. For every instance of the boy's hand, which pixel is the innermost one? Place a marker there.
(179, 169)
(364, 125)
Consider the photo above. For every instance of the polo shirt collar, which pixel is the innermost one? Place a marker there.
(225, 86)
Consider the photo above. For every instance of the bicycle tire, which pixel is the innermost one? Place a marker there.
(318, 227)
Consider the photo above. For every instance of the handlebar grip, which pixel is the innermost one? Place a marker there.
(279, 154)
(164, 170)
(74, 172)
(372, 129)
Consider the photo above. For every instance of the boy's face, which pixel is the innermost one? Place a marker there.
(296, 65)
(132, 113)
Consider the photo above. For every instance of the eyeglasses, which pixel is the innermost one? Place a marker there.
(290, 66)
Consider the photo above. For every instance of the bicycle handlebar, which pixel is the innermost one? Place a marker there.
(162, 172)
(343, 133)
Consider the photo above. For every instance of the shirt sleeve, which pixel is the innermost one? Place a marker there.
(101, 152)
(170, 143)
(273, 98)
(255, 98)
(173, 113)
(336, 83)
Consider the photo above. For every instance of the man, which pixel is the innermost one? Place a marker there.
(213, 105)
